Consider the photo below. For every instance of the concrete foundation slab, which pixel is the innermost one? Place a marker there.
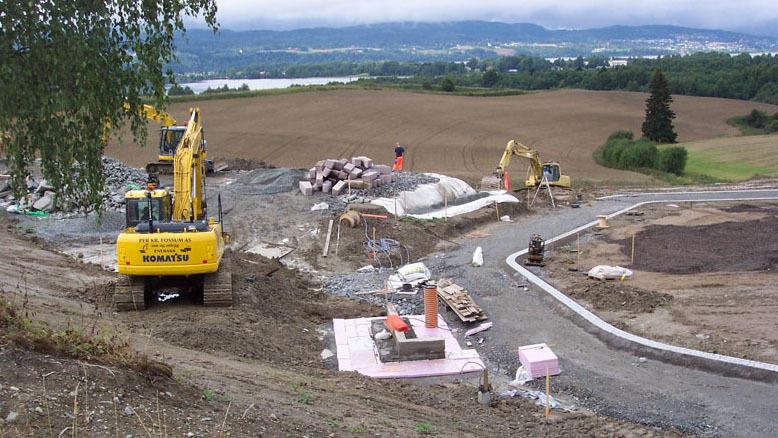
(356, 351)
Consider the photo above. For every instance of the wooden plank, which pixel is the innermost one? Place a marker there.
(327, 242)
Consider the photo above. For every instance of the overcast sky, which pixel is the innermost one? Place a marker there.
(753, 16)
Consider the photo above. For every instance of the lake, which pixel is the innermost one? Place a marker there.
(264, 84)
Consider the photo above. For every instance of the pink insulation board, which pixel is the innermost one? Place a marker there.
(537, 358)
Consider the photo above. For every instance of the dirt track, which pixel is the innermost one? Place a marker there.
(456, 135)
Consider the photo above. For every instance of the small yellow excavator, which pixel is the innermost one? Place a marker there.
(169, 240)
(538, 172)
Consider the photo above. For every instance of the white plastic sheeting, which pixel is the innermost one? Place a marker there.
(412, 274)
(428, 195)
(605, 272)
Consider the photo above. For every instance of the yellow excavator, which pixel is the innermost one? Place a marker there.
(169, 240)
(170, 135)
(538, 172)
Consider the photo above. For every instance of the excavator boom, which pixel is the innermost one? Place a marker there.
(537, 171)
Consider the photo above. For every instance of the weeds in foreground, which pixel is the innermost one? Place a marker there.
(426, 429)
(360, 428)
(101, 347)
(306, 398)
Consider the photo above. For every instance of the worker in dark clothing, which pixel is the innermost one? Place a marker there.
(399, 151)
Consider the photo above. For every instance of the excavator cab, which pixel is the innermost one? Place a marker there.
(148, 205)
(551, 172)
(169, 137)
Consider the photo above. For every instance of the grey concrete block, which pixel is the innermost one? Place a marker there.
(306, 188)
(327, 171)
(370, 175)
(349, 167)
(356, 173)
(338, 187)
(385, 179)
(326, 187)
(329, 164)
(383, 169)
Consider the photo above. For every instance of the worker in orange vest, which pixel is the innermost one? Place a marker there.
(399, 151)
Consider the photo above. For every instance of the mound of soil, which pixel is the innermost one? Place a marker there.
(615, 295)
(274, 316)
(722, 247)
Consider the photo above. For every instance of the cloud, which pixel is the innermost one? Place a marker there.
(741, 15)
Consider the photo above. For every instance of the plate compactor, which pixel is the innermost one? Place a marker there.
(535, 252)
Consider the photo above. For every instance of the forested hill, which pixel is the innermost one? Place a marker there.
(201, 50)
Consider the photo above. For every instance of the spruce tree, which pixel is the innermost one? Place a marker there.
(658, 125)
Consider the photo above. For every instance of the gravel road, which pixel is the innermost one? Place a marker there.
(594, 375)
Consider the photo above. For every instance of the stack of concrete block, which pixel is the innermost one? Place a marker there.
(335, 176)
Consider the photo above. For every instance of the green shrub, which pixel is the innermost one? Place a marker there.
(612, 150)
(673, 159)
(757, 119)
(772, 126)
(639, 154)
(447, 85)
(623, 134)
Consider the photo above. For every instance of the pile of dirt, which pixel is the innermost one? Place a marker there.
(720, 247)
(616, 295)
(274, 317)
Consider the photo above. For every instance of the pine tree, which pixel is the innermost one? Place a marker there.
(658, 125)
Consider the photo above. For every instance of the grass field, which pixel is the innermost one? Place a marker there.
(462, 136)
(734, 159)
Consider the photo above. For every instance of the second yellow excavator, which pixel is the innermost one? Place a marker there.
(170, 135)
(169, 240)
(538, 172)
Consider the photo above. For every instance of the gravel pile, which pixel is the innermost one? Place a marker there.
(118, 178)
(348, 284)
(403, 182)
(266, 181)
(40, 199)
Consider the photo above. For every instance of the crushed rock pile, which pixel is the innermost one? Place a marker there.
(39, 200)
(266, 181)
(348, 284)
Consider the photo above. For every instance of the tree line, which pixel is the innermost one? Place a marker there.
(702, 74)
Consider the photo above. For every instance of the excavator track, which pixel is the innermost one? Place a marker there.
(129, 294)
(217, 287)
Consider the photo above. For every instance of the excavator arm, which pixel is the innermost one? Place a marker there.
(189, 172)
(515, 148)
(154, 114)
(149, 112)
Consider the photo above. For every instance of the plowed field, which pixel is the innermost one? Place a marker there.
(456, 135)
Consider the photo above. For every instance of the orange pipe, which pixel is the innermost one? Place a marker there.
(431, 305)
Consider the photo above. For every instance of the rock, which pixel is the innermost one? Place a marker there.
(11, 417)
(128, 411)
(45, 203)
(642, 360)
(205, 419)
(38, 409)
(326, 354)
